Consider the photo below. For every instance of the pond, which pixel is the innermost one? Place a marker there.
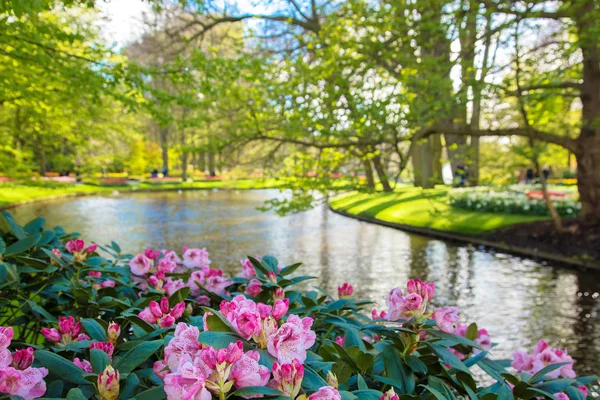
(518, 300)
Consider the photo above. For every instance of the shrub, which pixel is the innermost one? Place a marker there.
(529, 202)
(81, 320)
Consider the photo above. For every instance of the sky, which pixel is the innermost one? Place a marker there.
(122, 20)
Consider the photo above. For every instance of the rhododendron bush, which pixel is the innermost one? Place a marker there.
(80, 320)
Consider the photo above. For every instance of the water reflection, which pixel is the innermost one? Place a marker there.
(517, 300)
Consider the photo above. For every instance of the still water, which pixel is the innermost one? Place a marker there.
(518, 300)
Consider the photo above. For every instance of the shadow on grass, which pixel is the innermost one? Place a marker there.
(376, 209)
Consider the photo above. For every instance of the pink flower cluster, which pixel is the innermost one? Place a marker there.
(542, 357)
(345, 291)
(107, 283)
(446, 319)
(483, 339)
(152, 267)
(17, 376)
(68, 332)
(78, 249)
(413, 304)
(191, 371)
(259, 322)
(162, 314)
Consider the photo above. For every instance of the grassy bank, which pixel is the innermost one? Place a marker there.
(425, 209)
(17, 192)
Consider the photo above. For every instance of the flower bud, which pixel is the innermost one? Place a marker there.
(91, 248)
(22, 359)
(390, 395)
(106, 347)
(280, 308)
(332, 379)
(114, 331)
(345, 291)
(177, 311)
(108, 384)
(272, 277)
(52, 334)
(66, 324)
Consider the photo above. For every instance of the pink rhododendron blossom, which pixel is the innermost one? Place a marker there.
(248, 372)
(152, 254)
(166, 266)
(172, 285)
(108, 384)
(292, 340)
(29, 383)
(376, 315)
(52, 334)
(583, 390)
(184, 342)
(22, 359)
(341, 340)
(106, 347)
(248, 271)
(280, 308)
(254, 288)
(202, 300)
(75, 246)
(140, 264)
(95, 274)
(542, 357)
(272, 276)
(483, 339)
(195, 258)
(83, 364)
(561, 396)
(287, 378)
(107, 284)
(390, 395)
(6, 336)
(345, 291)
(188, 383)
(68, 331)
(446, 318)
(161, 369)
(424, 290)
(160, 314)
(91, 248)
(278, 294)
(326, 393)
(243, 314)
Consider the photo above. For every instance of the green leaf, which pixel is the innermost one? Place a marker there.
(138, 355)
(40, 310)
(447, 357)
(61, 367)
(35, 225)
(179, 296)
(9, 225)
(397, 371)
(2, 246)
(128, 389)
(99, 360)
(544, 371)
(290, 269)
(22, 245)
(217, 322)
(76, 394)
(156, 393)
(218, 340)
(433, 391)
(94, 329)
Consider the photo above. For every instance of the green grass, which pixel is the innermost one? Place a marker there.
(17, 192)
(425, 209)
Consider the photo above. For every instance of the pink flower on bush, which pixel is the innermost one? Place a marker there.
(106, 347)
(160, 314)
(152, 254)
(376, 315)
(326, 393)
(173, 285)
(187, 383)
(77, 248)
(278, 294)
(561, 396)
(280, 308)
(140, 264)
(184, 343)
(29, 383)
(446, 318)
(345, 291)
(108, 384)
(287, 378)
(6, 336)
(411, 305)
(95, 274)
(69, 331)
(292, 340)
(390, 395)
(243, 314)
(341, 340)
(195, 258)
(248, 271)
(542, 357)
(254, 288)
(83, 364)
(424, 290)
(22, 359)
(248, 372)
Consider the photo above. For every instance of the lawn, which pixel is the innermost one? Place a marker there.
(425, 209)
(16, 192)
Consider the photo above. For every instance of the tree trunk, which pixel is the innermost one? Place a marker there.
(381, 173)
(164, 145)
(588, 175)
(426, 162)
(369, 173)
(184, 165)
(456, 145)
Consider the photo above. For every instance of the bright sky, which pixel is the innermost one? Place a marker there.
(123, 20)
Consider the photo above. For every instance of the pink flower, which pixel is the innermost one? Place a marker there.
(278, 294)
(561, 396)
(326, 393)
(160, 314)
(243, 314)
(287, 378)
(22, 359)
(106, 347)
(390, 395)
(248, 271)
(56, 252)
(583, 390)
(91, 248)
(446, 318)
(375, 315)
(202, 300)
(272, 276)
(75, 246)
(83, 364)
(161, 369)
(280, 308)
(254, 288)
(171, 286)
(403, 307)
(140, 264)
(217, 284)
(522, 361)
(184, 342)
(6, 336)
(95, 274)
(52, 334)
(345, 291)
(151, 254)
(107, 283)
(165, 265)
(292, 340)
(424, 290)
(195, 258)
(113, 332)
(542, 357)
(188, 383)
(341, 340)
(248, 372)
(29, 383)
